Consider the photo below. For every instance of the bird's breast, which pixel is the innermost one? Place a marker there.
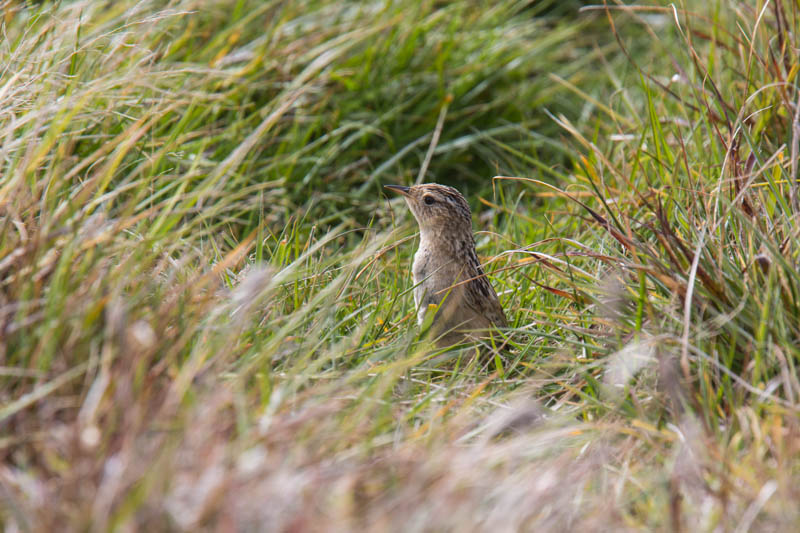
(420, 268)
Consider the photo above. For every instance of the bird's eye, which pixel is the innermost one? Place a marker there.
(429, 200)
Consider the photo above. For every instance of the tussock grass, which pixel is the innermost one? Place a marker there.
(206, 317)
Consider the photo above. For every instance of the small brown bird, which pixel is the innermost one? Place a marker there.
(446, 270)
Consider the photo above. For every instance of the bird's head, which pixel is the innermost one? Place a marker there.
(437, 208)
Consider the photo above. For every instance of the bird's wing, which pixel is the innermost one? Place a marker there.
(481, 298)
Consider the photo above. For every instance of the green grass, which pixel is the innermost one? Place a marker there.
(206, 317)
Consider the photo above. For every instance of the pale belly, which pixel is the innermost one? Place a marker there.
(436, 283)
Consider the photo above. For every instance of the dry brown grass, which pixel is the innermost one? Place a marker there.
(205, 312)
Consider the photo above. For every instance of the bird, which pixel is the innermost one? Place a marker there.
(446, 273)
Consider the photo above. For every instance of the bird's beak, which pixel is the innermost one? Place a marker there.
(399, 189)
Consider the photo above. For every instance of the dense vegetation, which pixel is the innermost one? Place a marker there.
(206, 317)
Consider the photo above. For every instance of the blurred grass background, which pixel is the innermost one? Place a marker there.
(205, 309)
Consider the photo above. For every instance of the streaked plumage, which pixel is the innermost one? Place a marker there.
(446, 267)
